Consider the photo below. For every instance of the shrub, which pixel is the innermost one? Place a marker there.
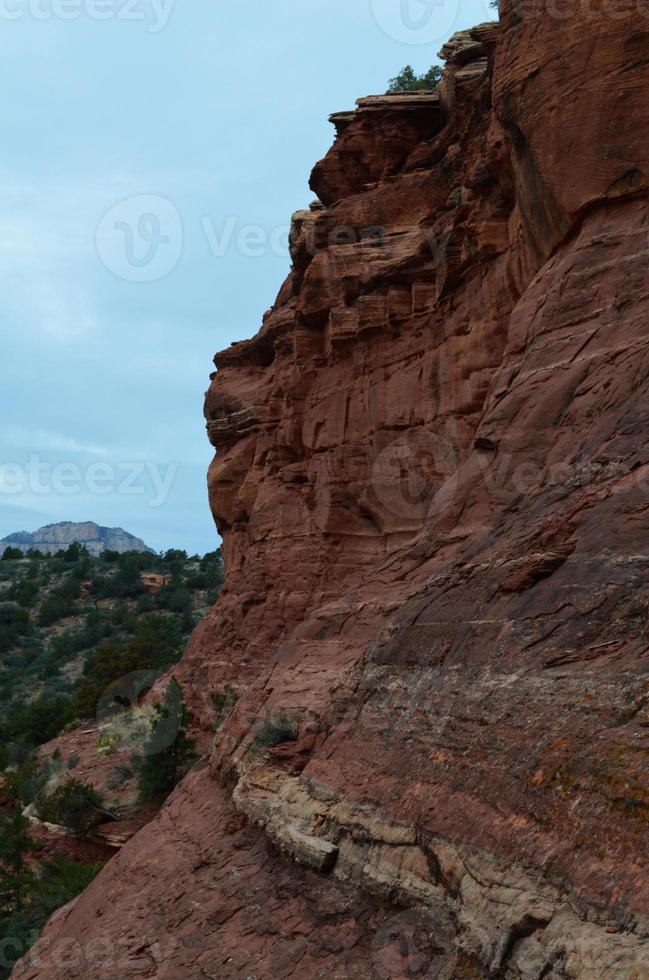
(104, 665)
(106, 744)
(122, 616)
(61, 602)
(73, 805)
(71, 642)
(160, 771)
(177, 598)
(158, 640)
(212, 568)
(24, 592)
(127, 730)
(125, 582)
(276, 731)
(15, 842)
(71, 726)
(14, 624)
(408, 81)
(23, 786)
(38, 722)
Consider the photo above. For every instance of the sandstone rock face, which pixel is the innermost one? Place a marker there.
(432, 484)
(154, 583)
(57, 537)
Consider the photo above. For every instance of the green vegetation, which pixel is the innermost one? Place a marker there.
(10, 554)
(14, 625)
(71, 626)
(27, 726)
(28, 896)
(276, 731)
(15, 845)
(162, 766)
(23, 782)
(157, 644)
(73, 805)
(408, 81)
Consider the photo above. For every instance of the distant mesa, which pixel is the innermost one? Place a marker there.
(58, 537)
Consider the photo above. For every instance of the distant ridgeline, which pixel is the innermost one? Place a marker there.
(57, 537)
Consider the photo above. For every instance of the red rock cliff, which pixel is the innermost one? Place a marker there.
(432, 481)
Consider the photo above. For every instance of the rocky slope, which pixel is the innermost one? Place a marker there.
(431, 481)
(58, 537)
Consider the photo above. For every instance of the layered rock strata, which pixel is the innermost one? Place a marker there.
(431, 481)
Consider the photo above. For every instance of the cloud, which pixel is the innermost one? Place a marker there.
(43, 441)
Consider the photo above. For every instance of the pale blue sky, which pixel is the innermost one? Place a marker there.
(210, 115)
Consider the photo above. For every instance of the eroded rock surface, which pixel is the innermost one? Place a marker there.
(432, 484)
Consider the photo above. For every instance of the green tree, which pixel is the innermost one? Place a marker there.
(107, 663)
(124, 582)
(38, 722)
(14, 624)
(25, 592)
(73, 553)
(157, 644)
(15, 842)
(61, 601)
(408, 81)
(160, 771)
(175, 556)
(15, 845)
(177, 598)
(158, 641)
(22, 785)
(74, 805)
(11, 554)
